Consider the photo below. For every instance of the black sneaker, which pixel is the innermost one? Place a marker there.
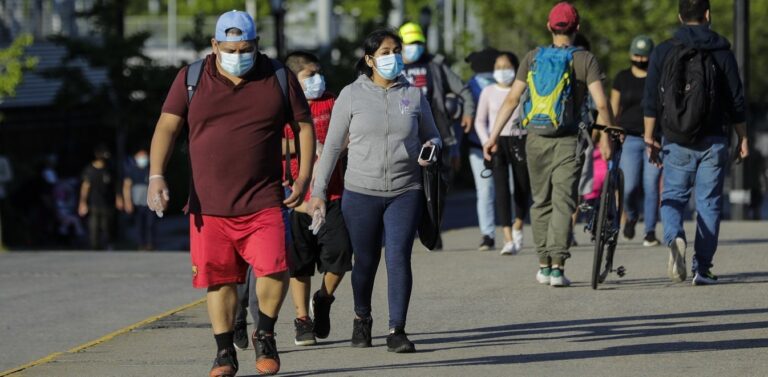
(361, 332)
(629, 229)
(398, 342)
(225, 364)
(650, 240)
(305, 332)
(321, 310)
(241, 336)
(267, 359)
(487, 244)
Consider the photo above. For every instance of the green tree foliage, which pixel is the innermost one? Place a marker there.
(13, 63)
(610, 26)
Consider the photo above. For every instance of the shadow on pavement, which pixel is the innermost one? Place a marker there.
(590, 330)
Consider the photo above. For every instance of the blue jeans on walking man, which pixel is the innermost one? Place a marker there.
(699, 170)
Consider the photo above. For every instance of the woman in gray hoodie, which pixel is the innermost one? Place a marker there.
(387, 122)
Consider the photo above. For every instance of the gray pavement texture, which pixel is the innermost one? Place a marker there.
(481, 314)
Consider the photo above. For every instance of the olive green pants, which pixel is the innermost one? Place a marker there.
(554, 172)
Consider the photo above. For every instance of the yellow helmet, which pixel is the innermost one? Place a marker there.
(411, 33)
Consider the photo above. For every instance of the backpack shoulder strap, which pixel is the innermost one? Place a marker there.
(194, 71)
(282, 80)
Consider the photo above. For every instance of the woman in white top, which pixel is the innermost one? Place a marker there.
(509, 155)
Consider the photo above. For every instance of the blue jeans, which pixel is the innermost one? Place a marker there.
(370, 219)
(637, 170)
(484, 188)
(699, 170)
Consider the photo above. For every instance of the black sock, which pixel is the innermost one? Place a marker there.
(266, 323)
(225, 340)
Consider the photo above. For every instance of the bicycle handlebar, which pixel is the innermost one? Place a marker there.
(609, 129)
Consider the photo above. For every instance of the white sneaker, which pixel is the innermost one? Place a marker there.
(542, 278)
(517, 240)
(676, 264)
(508, 249)
(557, 279)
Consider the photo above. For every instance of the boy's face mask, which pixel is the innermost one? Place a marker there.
(314, 86)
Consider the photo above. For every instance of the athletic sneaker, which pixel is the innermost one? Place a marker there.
(676, 264)
(225, 364)
(543, 275)
(398, 342)
(508, 249)
(361, 332)
(267, 359)
(706, 278)
(650, 240)
(241, 336)
(629, 229)
(305, 332)
(517, 240)
(321, 310)
(486, 244)
(557, 278)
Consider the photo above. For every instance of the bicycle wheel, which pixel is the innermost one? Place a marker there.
(615, 220)
(601, 223)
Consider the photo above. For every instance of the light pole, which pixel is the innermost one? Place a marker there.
(278, 12)
(739, 196)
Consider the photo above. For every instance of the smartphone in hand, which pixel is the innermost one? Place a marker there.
(427, 153)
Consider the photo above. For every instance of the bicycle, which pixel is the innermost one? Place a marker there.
(604, 223)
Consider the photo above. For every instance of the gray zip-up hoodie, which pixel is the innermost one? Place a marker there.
(386, 129)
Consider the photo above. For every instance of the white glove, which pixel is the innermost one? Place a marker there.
(318, 220)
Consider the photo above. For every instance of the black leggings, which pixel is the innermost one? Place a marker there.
(511, 153)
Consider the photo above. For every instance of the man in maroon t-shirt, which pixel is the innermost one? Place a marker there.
(235, 119)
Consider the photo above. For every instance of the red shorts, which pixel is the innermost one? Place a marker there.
(222, 247)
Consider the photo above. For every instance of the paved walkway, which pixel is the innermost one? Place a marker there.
(481, 314)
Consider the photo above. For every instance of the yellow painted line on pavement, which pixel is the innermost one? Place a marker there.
(103, 339)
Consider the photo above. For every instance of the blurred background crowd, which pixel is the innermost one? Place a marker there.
(82, 83)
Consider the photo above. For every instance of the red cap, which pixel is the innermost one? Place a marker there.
(563, 16)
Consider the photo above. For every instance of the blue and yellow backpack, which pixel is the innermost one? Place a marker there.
(548, 108)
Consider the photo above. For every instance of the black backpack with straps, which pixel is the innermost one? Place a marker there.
(687, 93)
(192, 79)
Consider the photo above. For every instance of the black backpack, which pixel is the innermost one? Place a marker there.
(687, 93)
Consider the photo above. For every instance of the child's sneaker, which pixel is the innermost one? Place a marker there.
(241, 336)
(321, 310)
(557, 278)
(225, 364)
(543, 275)
(305, 332)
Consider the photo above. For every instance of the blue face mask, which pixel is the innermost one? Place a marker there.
(413, 52)
(389, 66)
(237, 64)
(314, 86)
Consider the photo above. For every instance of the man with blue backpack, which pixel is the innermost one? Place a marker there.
(552, 85)
(692, 92)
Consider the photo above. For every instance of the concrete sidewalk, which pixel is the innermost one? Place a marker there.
(481, 314)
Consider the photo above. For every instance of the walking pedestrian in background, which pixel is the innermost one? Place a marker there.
(99, 199)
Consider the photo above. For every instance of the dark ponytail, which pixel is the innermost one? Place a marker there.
(371, 44)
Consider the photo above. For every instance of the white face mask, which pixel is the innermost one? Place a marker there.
(237, 64)
(142, 162)
(504, 76)
(314, 86)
